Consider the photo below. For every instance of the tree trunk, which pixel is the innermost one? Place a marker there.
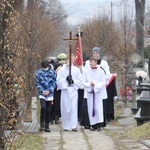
(140, 9)
(2, 56)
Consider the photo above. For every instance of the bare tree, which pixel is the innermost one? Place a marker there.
(115, 39)
(140, 10)
(99, 31)
(41, 31)
(30, 36)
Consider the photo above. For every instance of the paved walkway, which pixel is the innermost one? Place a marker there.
(93, 140)
(81, 140)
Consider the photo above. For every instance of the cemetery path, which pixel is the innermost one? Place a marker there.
(93, 140)
(81, 140)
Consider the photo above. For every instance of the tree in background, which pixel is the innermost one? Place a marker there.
(147, 52)
(147, 33)
(125, 49)
(140, 10)
(115, 39)
(27, 35)
(99, 31)
(41, 32)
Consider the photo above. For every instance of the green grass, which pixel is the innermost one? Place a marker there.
(130, 132)
(27, 142)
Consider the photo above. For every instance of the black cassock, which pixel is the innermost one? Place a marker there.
(84, 117)
(55, 111)
(108, 105)
(80, 103)
(109, 102)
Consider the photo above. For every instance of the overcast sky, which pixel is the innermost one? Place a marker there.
(78, 10)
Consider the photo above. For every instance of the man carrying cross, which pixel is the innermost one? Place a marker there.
(69, 79)
(69, 84)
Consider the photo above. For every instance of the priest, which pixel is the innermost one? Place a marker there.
(112, 96)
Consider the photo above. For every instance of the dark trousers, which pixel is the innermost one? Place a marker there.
(57, 95)
(52, 113)
(45, 111)
(80, 102)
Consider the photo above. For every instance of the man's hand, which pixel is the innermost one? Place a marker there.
(69, 79)
(46, 93)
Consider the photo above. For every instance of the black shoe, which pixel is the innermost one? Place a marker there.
(42, 126)
(51, 122)
(92, 129)
(74, 130)
(86, 127)
(98, 129)
(107, 121)
(47, 129)
(56, 121)
(65, 130)
(79, 119)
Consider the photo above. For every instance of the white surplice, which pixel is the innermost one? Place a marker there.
(103, 64)
(98, 77)
(69, 96)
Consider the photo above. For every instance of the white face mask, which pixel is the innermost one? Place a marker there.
(45, 69)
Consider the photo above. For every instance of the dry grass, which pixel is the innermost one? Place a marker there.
(118, 111)
(130, 131)
(139, 132)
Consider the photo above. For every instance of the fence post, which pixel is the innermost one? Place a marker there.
(34, 124)
(34, 110)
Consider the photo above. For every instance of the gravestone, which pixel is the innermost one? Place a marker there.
(134, 95)
(143, 103)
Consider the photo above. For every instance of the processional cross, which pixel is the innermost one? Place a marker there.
(70, 39)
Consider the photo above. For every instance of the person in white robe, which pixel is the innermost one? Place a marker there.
(96, 51)
(69, 94)
(94, 82)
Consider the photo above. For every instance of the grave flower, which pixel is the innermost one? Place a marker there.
(141, 75)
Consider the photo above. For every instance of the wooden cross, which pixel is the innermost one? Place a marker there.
(70, 39)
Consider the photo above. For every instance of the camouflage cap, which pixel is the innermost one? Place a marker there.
(62, 56)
